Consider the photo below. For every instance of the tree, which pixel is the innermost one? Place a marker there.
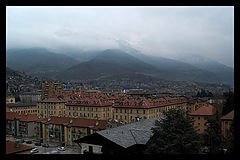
(174, 135)
(212, 136)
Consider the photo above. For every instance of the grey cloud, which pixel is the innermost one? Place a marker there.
(163, 31)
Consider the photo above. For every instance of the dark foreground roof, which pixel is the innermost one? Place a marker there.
(130, 134)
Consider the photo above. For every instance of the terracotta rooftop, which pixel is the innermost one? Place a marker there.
(204, 111)
(58, 120)
(24, 118)
(78, 122)
(229, 116)
(11, 148)
(55, 100)
(81, 122)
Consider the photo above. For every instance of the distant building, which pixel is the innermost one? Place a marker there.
(50, 89)
(30, 108)
(226, 122)
(200, 117)
(30, 97)
(17, 148)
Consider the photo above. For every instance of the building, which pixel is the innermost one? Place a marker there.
(21, 125)
(90, 109)
(52, 107)
(131, 109)
(64, 130)
(126, 139)
(30, 97)
(17, 148)
(122, 109)
(201, 115)
(50, 89)
(29, 108)
(226, 122)
(194, 104)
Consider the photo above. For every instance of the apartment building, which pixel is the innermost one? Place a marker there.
(50, 89)
(226, 122)
(22, 125)
(52, 107)
(29, 108)
(200, 117)
(131, 109)
(65, 130)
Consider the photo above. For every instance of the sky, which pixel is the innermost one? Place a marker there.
(167, 31)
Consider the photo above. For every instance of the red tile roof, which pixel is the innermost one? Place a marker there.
(10, 147)
(58, 120)
(29, 118)
(78, 122)
(24, 118)
(11, 115)
(81, 122)
(204, 111)
(229, 116)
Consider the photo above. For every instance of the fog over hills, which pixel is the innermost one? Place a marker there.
(113, 62)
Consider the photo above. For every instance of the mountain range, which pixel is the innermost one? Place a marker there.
(112, 62)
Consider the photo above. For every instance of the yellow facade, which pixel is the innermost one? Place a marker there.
(129, 114)
(47, 109)
(91, 112)
(64, 133)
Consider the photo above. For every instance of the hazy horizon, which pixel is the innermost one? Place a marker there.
(161, 31)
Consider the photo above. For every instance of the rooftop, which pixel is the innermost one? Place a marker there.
(130, 134)
(23, 117)
(21, 104)
(229, 116)
(208, 110)
(11, 147)
(78, 122)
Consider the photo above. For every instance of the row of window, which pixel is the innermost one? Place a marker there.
(26, 111)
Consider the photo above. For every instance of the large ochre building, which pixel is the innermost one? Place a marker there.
(122, 109)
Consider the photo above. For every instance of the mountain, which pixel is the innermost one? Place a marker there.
(38, 61)
(189, 67)
(110, 62)
(224, 73)
(83, 56)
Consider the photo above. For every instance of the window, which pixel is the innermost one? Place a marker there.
(131, 111)
(198, 118)
(198, 124)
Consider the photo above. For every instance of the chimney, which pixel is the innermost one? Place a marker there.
(70, 121)
(49, 119)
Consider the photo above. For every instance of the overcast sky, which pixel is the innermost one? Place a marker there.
(163, 31)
